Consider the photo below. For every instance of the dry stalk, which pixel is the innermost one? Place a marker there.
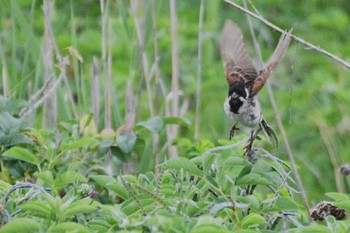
(173, 129)
(95, 90)
(199, 70)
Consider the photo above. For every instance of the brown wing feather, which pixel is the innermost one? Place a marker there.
(272, 63)
(237, 62)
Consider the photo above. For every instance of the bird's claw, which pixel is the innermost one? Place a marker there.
(232, 131)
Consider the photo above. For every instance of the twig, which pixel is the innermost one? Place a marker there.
(199, 70)
(309, 45)
(279, 123)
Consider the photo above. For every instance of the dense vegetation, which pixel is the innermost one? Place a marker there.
(90, 111)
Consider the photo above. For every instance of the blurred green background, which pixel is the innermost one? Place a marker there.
(311, 89)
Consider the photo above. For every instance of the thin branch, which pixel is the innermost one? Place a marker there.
(309, 45)
(279, 122)
(199, 70)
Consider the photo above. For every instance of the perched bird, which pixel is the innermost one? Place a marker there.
(244, 81)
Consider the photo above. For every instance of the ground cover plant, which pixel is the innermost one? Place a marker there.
(111, 118)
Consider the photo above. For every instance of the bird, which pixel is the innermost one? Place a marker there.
(245, 81)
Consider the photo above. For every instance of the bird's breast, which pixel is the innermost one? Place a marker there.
(246, 111)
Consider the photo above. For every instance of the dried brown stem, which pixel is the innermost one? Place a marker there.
(173, 129)
(199, 70)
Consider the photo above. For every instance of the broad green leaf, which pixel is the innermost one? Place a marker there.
(82, 206)
(120, 190)
(80, 143)
(185, 164)
(5, 187)
(209, 228)
(22, 225)
(21, 154)
(338, 196)
(253, 178)
(14, 139)
(253, 220)
(45, 176)
(70, 227)
(103, 180)
(126, 143)
(154, 124)
(36, 208)
(69, 177)
(285, 204)
(9, 124)
(177, 120)
(207, 161)
(345, 204)
(311, 229)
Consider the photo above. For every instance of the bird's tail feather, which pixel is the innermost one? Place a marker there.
(270, 134)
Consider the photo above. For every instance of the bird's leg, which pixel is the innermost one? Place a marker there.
(233, 129)
(249, 146)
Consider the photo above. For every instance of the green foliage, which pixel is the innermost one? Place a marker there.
(93, 178)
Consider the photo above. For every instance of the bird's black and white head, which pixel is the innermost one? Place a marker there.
(237, 89)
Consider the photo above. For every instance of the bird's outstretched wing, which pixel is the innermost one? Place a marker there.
(272, 63)
(238, 65)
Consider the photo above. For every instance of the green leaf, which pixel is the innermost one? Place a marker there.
(45, 176)
(80, 143)
(103, 180)
(69, 227)
(126, 143)
(10, 124)
(120, 190)
(23, 225)
(69, 177)
(253, 178)
(82, 206)
(177, 120)
(21, 154)
(36, 208)
(4, 187)
(345, 204)
(14, 139)
(154, 124)
(253, 220)
(185, 164)
(311, 229)
(337, 196)
(209, 228)
(285, 204)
